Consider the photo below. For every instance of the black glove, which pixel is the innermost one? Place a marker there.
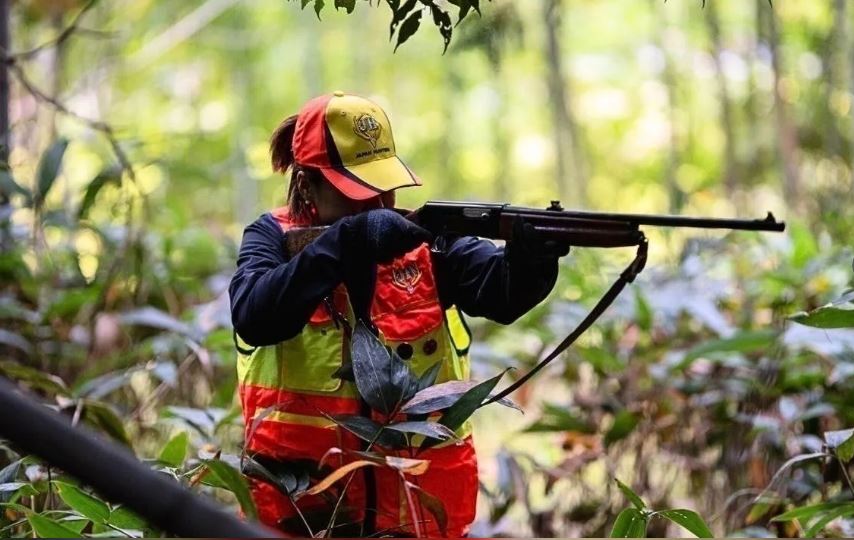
(381, 235)
(527, 246)
(375, 236)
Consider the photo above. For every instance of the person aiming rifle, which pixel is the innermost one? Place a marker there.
(293, 309)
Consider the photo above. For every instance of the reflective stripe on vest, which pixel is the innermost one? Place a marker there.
(287, 389)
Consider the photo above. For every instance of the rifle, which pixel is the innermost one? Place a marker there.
(572, 227)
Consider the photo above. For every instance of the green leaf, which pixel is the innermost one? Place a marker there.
(557, 418)
(349, 5)
(805, 513)
(624, 423)
(175, 451)
(842, 443)
(318, 7)
(86, 504)
(434, 505)
(464, 407)
(103, 417)
(828, 316)
(442, 396)
(112, 175)
(34, 378)
(443, 22)
(689, 520)
(428, 378)
(821, 522)
(48, 170)
(744, 341)
(125, 518)
(426, 428)
(369, 430)
(643, 313)
(399, 14)
(235, 482)
(408, 28)
(284, 475)
(47, 528)
(630, 523)
(10, 187)
(631, 495)
(382, 378)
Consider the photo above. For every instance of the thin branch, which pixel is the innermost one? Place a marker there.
(97, 125)
(59, 39)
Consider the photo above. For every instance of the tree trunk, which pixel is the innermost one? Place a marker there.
(570, 169)
(499, 131)
(731, 167)
(787, 137)
(5, 136)
(5, 139)
(675, 196)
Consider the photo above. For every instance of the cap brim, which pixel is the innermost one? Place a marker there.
(369, 179)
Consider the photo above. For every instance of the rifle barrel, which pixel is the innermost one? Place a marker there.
(769, 223)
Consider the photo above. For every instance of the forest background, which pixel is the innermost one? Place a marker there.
(138, 151)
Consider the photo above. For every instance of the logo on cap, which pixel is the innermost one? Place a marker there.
(367, 127)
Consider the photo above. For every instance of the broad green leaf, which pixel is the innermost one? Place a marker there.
(48, 170)
(125, 518)
(828, 316)
(86, 504)
(631, 495)
(175, 451)
(841, 442)
(427, 379)
(318, 7)
(426, 428)
(630, 523)
(349, 5)
(689, 520)
(45, 527)
(155, 318)
(369, 430)
(442, 396)
(558, 418)
(10, 187)
(805, 513)
(34, 378)
(8, 474)
(13, 490)
(399, 15)
(382, 378)
(643, 313)
(102, 416)
(235, 482)
(470, 401)
(434, 505)
(284, 475)
(744, 341)
(443, 22)
(824, 519)
(112, 175)
(408, 28)
(624, 423)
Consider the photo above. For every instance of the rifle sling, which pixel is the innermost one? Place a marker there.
(627, 276)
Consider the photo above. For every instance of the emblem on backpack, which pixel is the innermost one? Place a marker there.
(406, 277)
(367, 127)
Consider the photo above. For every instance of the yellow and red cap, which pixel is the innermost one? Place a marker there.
(349, 139)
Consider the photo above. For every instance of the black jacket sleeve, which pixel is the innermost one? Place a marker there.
(484, 280)
(272, 297)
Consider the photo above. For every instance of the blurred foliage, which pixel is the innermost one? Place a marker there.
(721, 382)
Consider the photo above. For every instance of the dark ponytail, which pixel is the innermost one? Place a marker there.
(282, 158)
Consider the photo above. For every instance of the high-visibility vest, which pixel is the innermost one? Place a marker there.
(287, 389)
